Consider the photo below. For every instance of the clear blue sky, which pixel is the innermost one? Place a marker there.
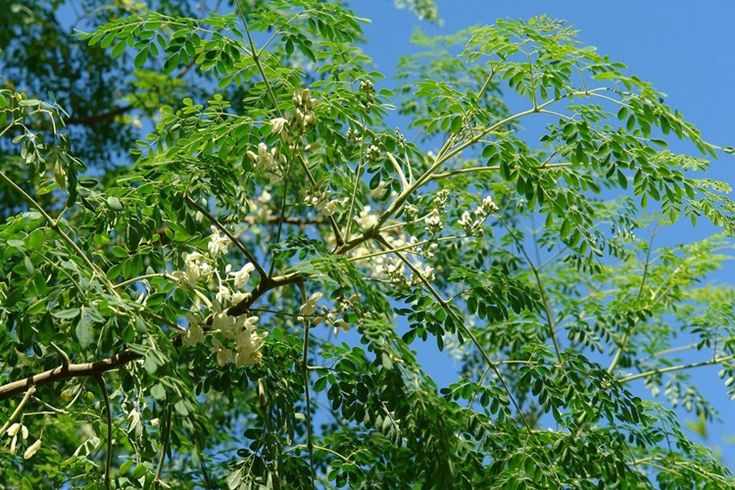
(686, 49)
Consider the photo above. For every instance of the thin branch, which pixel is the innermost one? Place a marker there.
(281, 217)
(64, 357)
(307, 394)
(401, 175)
(92, 119)
(18, 410)
(626, 338)
(144, 277)
(55, 226)
(164, 446)
(108, 461)
(492, 168)
(256, 59)
(261, 272)
(461, 326)
(550, 318)
(678, 367)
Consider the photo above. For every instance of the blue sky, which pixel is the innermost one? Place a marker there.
(686, 49)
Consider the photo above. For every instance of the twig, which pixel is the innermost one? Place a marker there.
(626, 338)
(55, 226)
(307, 394)
(18, 409)
(261, 272)
(678, 367)
(108, 462)
(164, 446)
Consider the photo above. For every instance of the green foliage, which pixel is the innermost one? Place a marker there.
(186, 309)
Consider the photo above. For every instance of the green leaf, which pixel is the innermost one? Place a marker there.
(84, 329)
(66, 314)
(158, 391)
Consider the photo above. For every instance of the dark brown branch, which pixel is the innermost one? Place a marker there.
(93, 119)
(59, 373)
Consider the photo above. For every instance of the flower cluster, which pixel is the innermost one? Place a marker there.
(367, 89)
(434, 222)
(308, 312)
(218, 243)
(354, 137)
(241, 332)
(278, 124)
(19, 429)
(265, 159)
(367, 219)
(234, 338)
(321, 201)
(471, 224)
(372, 153)
(196, 269)
(304, 113)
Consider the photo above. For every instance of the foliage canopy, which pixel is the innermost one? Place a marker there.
(241, 305)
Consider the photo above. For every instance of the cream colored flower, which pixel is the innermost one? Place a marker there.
(278, 124)
(224, 355)
(196, 268)
(243, 275)
(194, 334)
(223, 294)
(32, 449)
(367, 219)
(309, 307)
(217, 243)
(13, 429)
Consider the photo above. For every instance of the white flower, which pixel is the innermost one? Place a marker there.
(223, 294)
(32, 449)
(224, 323)
(488, 205)
(433, 221)
(341, 324)
(367, 219)
(309, 307)
(243, 275)
(249, 343)
(194, 334)
(278, 124)
(217, 243)
(238, 297)
(395, 271)
(466, 222)
(196, 268)
(224, 355)
(264, 158)
(378, 192)
(265, 197)
(423, 270)
(13, 429)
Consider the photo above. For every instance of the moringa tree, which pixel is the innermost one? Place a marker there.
(240, 307)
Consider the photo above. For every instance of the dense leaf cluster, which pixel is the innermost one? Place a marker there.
(242, 305)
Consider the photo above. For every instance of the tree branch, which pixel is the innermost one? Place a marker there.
(678, 367)
(71, 371)
(92, 119)
(108, 410)
(261, 272)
